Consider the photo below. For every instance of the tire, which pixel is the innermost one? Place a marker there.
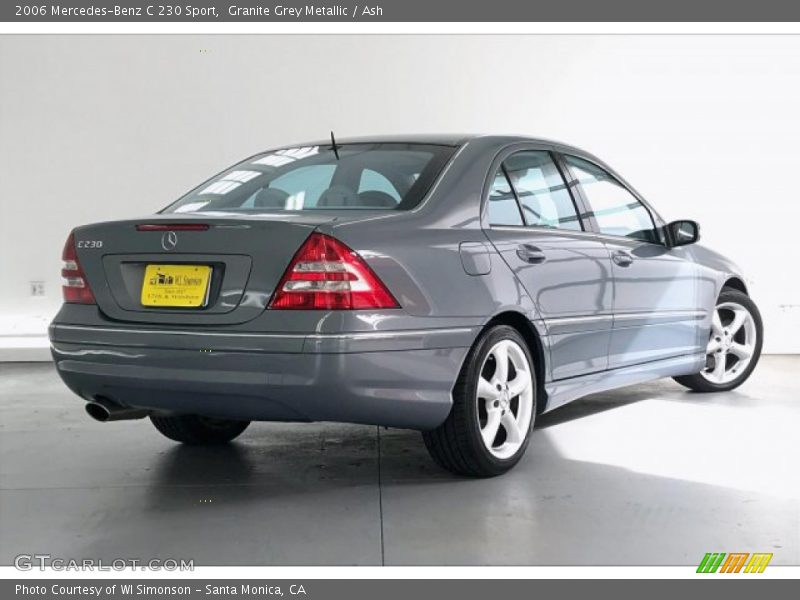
(196, 430)
(727, 367)
(458, 444)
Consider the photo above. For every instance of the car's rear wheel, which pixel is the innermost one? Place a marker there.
(494, 407)
(196, 430)
(734, 345)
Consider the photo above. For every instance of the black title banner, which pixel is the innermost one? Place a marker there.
(401, 11)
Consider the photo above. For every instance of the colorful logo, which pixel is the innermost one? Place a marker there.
(735, 562)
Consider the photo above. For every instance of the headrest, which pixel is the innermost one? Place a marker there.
(270, 198)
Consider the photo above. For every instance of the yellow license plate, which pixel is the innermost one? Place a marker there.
(176, 285)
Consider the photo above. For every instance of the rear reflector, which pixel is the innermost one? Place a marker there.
(172, 227)
(74, 285)
(327, 275)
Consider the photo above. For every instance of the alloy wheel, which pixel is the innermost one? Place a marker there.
(732, 343)
(505, 399)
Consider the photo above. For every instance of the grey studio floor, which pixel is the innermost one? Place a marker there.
(647, 475)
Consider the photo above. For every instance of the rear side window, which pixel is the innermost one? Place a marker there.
(616, 210)
(542, 193)
(503, 208)
(389, 176)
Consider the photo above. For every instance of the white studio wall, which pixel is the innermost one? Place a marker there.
(104, 127)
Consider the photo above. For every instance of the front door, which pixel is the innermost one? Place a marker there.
(656, 312)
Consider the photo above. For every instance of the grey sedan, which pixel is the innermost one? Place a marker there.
(458, 285)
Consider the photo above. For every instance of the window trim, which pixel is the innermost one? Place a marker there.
(655, 219)
(498, 164)
(501, 169)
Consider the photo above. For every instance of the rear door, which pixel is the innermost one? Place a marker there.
(656, 308)
(533, 221)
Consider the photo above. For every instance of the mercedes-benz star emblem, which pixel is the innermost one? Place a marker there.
(169, 240)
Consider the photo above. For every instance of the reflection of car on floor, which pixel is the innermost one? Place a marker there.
(454, 285)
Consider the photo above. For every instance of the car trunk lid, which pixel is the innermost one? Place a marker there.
(246, 258)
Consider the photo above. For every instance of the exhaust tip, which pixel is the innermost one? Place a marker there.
(98, 412)
(104, 410)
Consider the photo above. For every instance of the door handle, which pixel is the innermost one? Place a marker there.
(623, 259)
(531, 254)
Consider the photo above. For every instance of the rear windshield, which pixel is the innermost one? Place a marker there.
(363, 176)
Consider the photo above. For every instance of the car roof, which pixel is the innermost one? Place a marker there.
(439, 139)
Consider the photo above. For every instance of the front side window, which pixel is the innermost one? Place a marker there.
(616, 210)
(388, 176)
(503, 207)
(542, 193)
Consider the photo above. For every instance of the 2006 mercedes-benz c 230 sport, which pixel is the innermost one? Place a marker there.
(458, 285)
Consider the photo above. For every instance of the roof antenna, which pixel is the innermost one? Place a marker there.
(335, 147)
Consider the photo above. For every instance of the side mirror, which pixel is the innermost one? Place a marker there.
(682, 233)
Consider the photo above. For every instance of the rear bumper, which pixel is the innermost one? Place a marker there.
(398, 379)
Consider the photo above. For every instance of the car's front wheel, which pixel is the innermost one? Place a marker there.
(734, 345)
(196, 430)
(494, 406)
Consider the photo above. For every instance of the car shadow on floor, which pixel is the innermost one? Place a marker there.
(403, 451)
(285, 459)
(279, 459)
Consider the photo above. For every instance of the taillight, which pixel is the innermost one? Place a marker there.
(327, 275)
(74, 285)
